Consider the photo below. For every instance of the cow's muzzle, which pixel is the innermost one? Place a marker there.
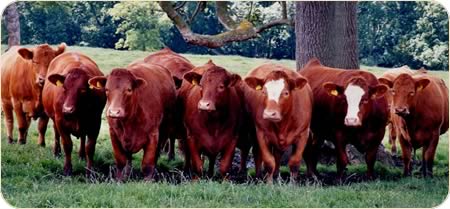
(272, 115)
(402, 111)
(115, 113)
(351, 121)
(206, 105)
(40, 80)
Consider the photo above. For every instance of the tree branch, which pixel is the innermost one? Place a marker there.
(239, 32)
(200, 7)
(181, 5)
(283, 10)
(223, 14)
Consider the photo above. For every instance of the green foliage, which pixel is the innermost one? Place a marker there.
(403, 33)
(141, 23)
(32, 177)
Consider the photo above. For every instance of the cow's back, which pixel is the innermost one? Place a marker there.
(175, 63)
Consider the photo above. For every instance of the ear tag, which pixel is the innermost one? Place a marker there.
(91, 86)
(194, 82)
(99, 85)
(334, 92)
(419, 88)
(59, 83)
(258, 87)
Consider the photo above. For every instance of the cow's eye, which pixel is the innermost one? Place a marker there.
(221, 87)
(365, 101)
(286, 93)
(129, 90)
(393, 92)
(83, 91)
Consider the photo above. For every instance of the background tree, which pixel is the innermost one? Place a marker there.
(328, 31)
(12, 25)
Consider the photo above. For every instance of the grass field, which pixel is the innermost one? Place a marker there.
(32, 177)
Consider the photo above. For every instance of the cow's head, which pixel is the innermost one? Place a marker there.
(76, 89)
(357, 97)
(215, 84)
(277, 88)
(121, 87)
(403, 91)
(40, 57)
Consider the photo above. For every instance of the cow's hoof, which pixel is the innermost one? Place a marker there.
(10, 140)
(22, 141)
(67, 171)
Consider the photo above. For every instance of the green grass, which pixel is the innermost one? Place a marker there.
(32, 177)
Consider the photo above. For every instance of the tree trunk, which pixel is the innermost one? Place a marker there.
(12, 25)
(328, 31)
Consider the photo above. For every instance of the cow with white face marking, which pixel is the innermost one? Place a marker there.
(349, 108)
(280, 102)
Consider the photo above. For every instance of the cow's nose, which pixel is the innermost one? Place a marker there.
(68, 109)
(206, 105)
(351, 121)
(40, 81)
(115, 112)
(272, 115)
(401, 111)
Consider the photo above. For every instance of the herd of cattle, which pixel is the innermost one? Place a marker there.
(212, 111)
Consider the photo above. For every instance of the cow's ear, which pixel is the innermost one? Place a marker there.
(254, 83)
(377, 91)
(26, 53)
(234, 79)
(193, 78)
(97, 82)
(57, 79)
(139, 83)
(297, 83)
(386, 82)
(177, 82)
(61, 48)
(332, 89)
(422, 83)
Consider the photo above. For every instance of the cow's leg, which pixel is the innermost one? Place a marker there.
(149, 159)
(267, 157)
(67, 146)
(296, 157)
(56, 145)
(212, 161)
(258, 160)
(120, 156)
(197, 163)
(428, 154)
(227, 158)
(22, 122)
(82, 150)
(277, 155)
(187, 156)
(406, 155)
(9, 119)
(90, 150)
(341, 158)
(371, 156)
(392, 138)
(311, 155)
(42, 128)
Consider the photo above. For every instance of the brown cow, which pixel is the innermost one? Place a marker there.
(23, 75)
(139, 99)
(73, 106)
(349, 108)
(213, 116)
(280, 101)
(422, 101)
(396, 124)
(178, 66)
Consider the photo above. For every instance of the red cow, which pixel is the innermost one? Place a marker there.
(178, 66)
(349, 108)
(422, 101)
(23, 75)
(213, 116)
(139, 99)
(280, 102)
(74, 108)
(396, 124)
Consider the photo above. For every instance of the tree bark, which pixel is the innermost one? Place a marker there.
(12, 25)
(327, 31)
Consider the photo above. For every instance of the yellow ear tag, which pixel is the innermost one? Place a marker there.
(334, 92)
(194, 82)
(99, 85)
(59, 83)
(91, 86)
(419, 88)
(258, 87)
